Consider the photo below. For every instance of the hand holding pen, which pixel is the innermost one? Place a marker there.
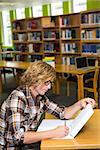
(65, 123)
(66, 128)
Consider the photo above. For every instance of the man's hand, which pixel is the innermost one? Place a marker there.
(83, 102)
(60, 131)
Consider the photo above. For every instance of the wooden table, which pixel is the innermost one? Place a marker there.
(78, 72)
(14, 54)
(88, 138)
(15, 64)
(12, 64)
(59, 69)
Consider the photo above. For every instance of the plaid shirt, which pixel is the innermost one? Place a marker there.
(21, 113)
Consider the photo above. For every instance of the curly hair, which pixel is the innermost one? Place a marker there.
(38, 72)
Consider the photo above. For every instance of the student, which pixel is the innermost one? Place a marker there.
(21, 112)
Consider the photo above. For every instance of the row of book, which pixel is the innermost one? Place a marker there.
(69, 47)
(28, 48)
(68, 34)
(20, 36)
(36, 57)
(34, 24)
(51, 47)
(51, 35)
(35, 36)
(90, 34)
(91, 48)
(65, 34)
(48, 47)
(90, 18)
(68, 60)
(19, 25)
(64, 21)
(34, 48)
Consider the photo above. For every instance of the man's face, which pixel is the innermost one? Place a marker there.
(44, 87)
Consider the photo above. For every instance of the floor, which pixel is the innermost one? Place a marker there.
(61, 99)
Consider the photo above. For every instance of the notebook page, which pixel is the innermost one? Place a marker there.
(81, 120)
(49, 124)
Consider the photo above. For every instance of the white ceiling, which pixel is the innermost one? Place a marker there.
(12, 4)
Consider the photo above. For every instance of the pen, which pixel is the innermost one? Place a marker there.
(65, 123)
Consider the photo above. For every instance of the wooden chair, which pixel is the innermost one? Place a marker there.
(69, 79)
(91, 85)
(88, 77)
(5, 71)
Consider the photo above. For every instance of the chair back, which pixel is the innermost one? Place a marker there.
(95, 79)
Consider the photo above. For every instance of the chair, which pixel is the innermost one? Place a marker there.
(69, 79)
(89, 76)
(4, 71)
(91, 84)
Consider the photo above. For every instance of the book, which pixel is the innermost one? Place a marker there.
(75, 125)
(50, 60)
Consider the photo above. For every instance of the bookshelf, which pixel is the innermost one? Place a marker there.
(70, 36)
(63, 37)
(51, 38)
(27, 37)
(90, 32)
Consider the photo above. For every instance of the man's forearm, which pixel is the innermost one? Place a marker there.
(71, 110)
(32, 137)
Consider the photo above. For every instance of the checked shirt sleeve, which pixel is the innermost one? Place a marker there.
(53, 108)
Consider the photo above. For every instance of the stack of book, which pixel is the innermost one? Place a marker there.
(50, 60)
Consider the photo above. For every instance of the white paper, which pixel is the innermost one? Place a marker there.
(74, 125)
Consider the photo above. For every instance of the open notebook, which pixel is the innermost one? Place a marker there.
(74, 125)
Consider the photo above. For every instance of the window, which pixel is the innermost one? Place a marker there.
(79, 5)
(37, 11)
(7, 35)
(56, 8)
(20, 13)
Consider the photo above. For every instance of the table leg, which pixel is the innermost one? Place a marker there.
(56, 87)
(80, 86)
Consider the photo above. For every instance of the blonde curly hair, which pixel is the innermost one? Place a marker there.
(38, 72)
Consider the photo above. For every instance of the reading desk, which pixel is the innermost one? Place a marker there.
(88, 138)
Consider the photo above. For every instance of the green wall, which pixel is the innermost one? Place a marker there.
(67, 7)
(93, 4)
(28, 12)
(45, 10)
(12, 15)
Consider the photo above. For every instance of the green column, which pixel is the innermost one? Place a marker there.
(93, 4)
(46, 10)
(12, 15)
(50, 9)
(67, 7)
(1, 26)
(28, 12)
